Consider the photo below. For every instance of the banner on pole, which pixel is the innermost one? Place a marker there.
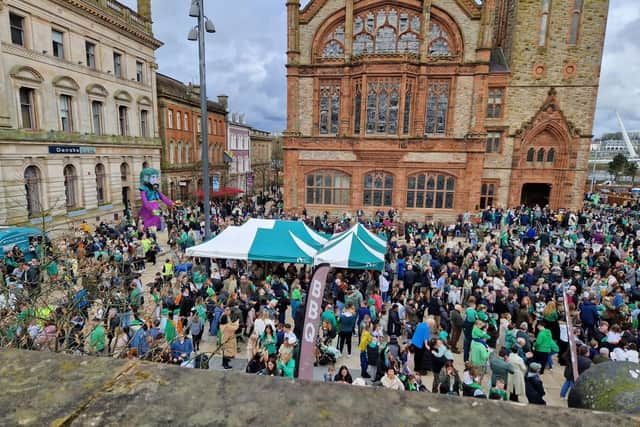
(312, 322)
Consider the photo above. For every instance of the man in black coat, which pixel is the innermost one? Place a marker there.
(533, 385)
(394, 326)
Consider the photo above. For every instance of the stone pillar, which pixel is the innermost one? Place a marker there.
(293, 31)
(348, 31)
(486, 24)
(424, 30)
(5, 94)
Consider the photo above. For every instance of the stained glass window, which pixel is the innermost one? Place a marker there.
(386, 30)
(329, 108)
(363, 43)
(407, 110)
(383, 101)
(437, 106)
(334, 47)
(357, 106)
(438, 41)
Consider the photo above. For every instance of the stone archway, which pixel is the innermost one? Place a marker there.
(533, 194)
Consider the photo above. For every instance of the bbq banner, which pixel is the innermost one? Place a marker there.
(571, 336)
(312, 322)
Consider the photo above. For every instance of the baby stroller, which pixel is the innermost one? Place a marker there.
(325, 355)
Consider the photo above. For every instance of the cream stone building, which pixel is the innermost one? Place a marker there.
(78, 117)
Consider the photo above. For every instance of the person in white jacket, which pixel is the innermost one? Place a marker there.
(516, 384)
(391, 380)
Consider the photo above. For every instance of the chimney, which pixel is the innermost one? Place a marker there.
(144, 9)
(233, 118)
(224, 101)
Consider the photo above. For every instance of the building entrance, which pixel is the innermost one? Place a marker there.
(535, 194)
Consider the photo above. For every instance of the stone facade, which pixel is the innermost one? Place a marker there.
(179, 117)
(261, 156)
(239, 144)
(435, 107)
(78, 118)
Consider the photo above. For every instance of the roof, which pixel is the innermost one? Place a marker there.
(498, 63)
(168, 87)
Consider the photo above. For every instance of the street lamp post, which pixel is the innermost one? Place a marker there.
(197, 33)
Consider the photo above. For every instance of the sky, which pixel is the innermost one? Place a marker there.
(246, 58)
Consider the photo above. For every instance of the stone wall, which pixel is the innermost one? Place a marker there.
(53, 389)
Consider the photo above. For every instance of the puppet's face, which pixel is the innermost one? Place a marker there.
(154, 180)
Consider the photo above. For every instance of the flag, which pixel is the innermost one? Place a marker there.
(228, 156)
(312, 322)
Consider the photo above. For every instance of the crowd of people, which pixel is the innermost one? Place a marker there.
(490, 286)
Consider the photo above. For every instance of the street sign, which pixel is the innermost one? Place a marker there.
(215, 183)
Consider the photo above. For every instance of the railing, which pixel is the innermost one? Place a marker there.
(121, 11)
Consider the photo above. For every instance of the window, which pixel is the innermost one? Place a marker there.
(378, 189)
(540, 157)
(575, 22)
(530, 154)
(124, 172)
(406, 120)
(493, 142)
(123, 122)
(357, 107)
(334, 47)
(90, 50)
(32, 190)
(178, 120)
(66, 121)
(544, 22)
(96, 117)
(187, 153)
(551, 155)
(180, 152)
(172, 153)
(209, 126)
(186, 121)
(439, 41)
(487, 192)
(437, 105)
(494, 106)
(27, 108)
(70, 179)
(58, 43)
(329, 108)
(383, 99)
(140, 72)
(430, 191)
(117, 64)
(169, 119)
(144, 123)
(16, 22)
(101, 179)
(328, 187)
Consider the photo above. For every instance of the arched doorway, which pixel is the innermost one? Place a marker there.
(535, 194)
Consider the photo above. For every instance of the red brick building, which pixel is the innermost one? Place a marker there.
(437, 107)
(179, 119)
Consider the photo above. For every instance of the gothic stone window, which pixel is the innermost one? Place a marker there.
(530, 154)
(386, 30)
(430, 191)
(540, 155)
(494, 104)
(328, 187)
(329, 107)
(378, 189)
(439, 41)
(406, 120)
(334, 44)
(357, 107)
(437, 106)
(575, 22)
(551, 155)
(493, 142)
(383, 99)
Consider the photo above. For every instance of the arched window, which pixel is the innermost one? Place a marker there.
(334, 45)
(430, 191)
(530, 154)
(179, 152)
(328, 187)
(576, 15)
(540, 157)
(378, 189)
(70, 185)
(439, 41)
(383, 99)
(32, 184)
(329, 107)
(172, 153)
(101, 183)
(544, 22)
(124, 172)
(386, 31)
(551, 155)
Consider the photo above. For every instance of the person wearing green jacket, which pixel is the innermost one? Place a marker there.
(97, 337)
(286, 366)
(543, 346)
(479, 348)
(329, 316)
